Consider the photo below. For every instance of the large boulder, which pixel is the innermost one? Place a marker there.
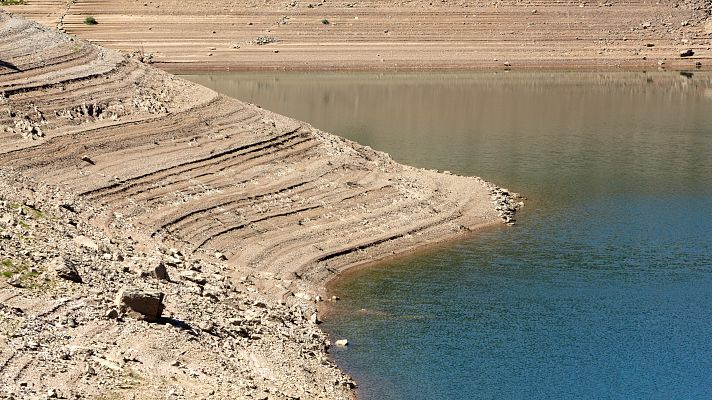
(143, 304)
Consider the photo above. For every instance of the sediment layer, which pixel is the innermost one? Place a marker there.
(386, 35)
(208, 173)
(241, 195)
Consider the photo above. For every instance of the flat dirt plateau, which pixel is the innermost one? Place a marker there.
(116, 177)
(387, 35)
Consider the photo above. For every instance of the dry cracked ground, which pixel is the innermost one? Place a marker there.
(125, 190)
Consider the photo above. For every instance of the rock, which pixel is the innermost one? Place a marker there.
(87, 159)
(15, 281)
(193, 277)
(212, 291)
(173, 252)
(160, 272)
(85, 242)
(107, 364)
(207, 326)
(220, 256)
(303, 296)
(6, 220)
(65, 269)
(263, 40)
(342, 342)
(314, 319)
(687, 53)
(112, 314)
(146, 303)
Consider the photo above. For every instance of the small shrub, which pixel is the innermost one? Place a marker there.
(325, 21)
(11, 2)
(8, 268)
(36, 214)
(90, 20)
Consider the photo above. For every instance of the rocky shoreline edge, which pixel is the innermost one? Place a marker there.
(158, 240)
(106, 320)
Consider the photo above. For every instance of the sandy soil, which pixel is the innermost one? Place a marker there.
(240, 193)
(386, 35)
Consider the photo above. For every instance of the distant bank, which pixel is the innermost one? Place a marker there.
(390, 35)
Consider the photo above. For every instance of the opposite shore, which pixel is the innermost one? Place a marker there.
(375, 35)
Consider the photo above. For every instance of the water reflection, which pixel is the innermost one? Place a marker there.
(605, 288)
(574, 129)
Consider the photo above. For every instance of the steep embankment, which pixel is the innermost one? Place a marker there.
(386, 35)
(261, 210)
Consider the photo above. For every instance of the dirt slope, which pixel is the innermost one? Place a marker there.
(384, 35)
(209, 173)
(109, 163)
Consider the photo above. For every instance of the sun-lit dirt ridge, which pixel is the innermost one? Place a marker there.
(388, 35)
(208, 173)
(111, 170)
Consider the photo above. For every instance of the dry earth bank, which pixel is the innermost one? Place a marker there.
(125, 190)
(387, 35)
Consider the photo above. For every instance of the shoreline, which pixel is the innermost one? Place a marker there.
(143, 174)
(681, 66)
(325, 308)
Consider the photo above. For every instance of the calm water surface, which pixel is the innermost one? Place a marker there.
(603, 290)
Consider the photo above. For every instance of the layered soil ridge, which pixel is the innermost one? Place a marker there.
(229, 193)
(392, 35)
(207, 173)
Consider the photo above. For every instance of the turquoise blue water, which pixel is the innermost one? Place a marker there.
(604, 288)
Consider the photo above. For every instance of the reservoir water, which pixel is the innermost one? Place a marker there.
(603, 290)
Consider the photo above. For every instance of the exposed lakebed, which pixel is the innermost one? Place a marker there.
(602, 290)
